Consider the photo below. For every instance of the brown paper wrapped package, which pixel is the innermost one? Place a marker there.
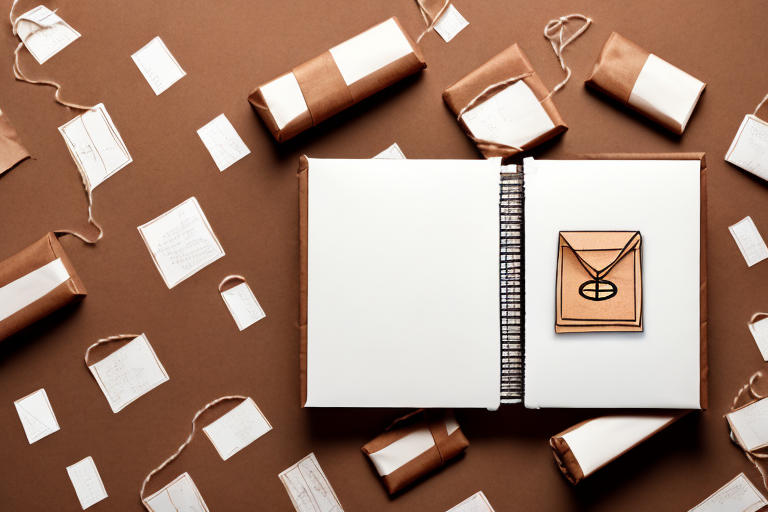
(446, 447)
(510, 63)
(35, 256)
(12, 150)
(326, 93)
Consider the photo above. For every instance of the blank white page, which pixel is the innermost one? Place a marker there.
(657, 368)
(403, 286)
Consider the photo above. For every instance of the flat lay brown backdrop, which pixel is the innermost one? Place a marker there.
(226, 49)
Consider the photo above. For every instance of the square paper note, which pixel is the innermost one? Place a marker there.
(179, 495)
(237, 429)
(223, 143)
(749, 149)
(129, 372)
(36, 415)
(450, 23)
(750, 425)
(158, 65)
(181, 242)
(243, 305)
(44, 33)
(308, 488)
(750, 242)
(87, 482)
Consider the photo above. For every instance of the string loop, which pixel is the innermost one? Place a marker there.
(227, 279)
(108, 340)
(554, 32)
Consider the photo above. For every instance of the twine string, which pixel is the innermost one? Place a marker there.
(108, 340)
(227, 279)
(428, 19)
(554, 32)
(760, 105)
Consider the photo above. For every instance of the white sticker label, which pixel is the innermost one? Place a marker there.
(237, 429)
(759, 331)
(450, 23)
(393, 152)
(243, 305)
(87, 482)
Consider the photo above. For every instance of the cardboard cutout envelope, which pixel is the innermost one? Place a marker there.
(599, 281)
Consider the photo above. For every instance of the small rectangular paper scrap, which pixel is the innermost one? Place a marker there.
(44, 33)
(738, 495)
(36, 415)
(308, 487)
(749, 150)
(95, 145)
(128, 373)
(750, 242)
(475, 503)
(181, 242)
(87, 482)
(759, 331)
(393, 152)
(450, 23)
(179, 495)
(243, 305)
(223, 143)
(750, 425)
(237, 429)
(158, 66)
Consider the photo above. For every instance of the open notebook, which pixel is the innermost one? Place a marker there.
(439, 283)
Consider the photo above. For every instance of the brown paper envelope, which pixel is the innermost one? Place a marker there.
(12, 150)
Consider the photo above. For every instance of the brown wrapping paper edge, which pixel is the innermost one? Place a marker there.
(323, 87)
(293, 128)
(303, 271)
(12, 149)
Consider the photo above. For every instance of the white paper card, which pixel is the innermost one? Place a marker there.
(129, 372)
(237, 429)
(157, 65)
(750, 424)
(27, 289)
(87, 482)
(450, 23)
(750, 242)
(95, 145)
(749, 150)
(475, 503)
(738, 495)
(44, 33)
(308, 487)
(36, 415)
(284, 99)
(243, 305)
(393, 152)
(759, 331)
(181, 242)
(513, 117)
(223, 142)
(181, 495)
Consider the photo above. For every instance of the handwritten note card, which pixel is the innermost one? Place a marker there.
(128, 373)
(237, 429)
(759, 331)
(44, 33)
(243, 305)
(181, 242)
(750, 425)
(87, 482)
(749, 149)
(95, 145)
(450, 23)
(36, 415)
(475, 503)
(179, 495)
(738, 495)
(750, 242)
(158, 65)
(223, 143)
(309, 488)
(393, 152)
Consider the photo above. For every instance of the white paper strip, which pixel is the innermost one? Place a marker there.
(396, 455)
(284, 99)
(129, 372)
(749, 149)
(237, 429)
(36, 415)
(223, 143)
(87, 482)
(450, 23)
(738, 495)
(44, 33)
(308, 487)
(750, 242)
(475, 503)
(243, 305)
(759, 331)
(750, 424)
(181, 495)
(25, 290)
(393, 152)
(157, 65)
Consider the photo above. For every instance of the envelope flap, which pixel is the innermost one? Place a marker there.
(600, 251)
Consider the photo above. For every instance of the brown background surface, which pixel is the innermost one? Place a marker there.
(227, 48)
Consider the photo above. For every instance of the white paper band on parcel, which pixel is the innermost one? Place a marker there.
(25, 290)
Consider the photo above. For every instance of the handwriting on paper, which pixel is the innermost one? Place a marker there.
(475, 503)
(179, 495)
(759, 331)
(243, 305)
(450, 23)
(393, 152)
(750, 424)
(36, 415)
(750, 242)
(749, 149)
(237, 429)
(87, 482)
(738, 495)
(158, 66)
(223, 143)
(181, 242)
(44, 33)
(308, 487)
(129, 372)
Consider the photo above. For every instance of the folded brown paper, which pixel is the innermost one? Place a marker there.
(415, 445)
(508, 64)
(34, 283)
(599, 281)
(644, 82)
(12, 150)
(336, 79)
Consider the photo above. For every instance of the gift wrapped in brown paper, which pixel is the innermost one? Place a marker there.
(646, 83)
(414, 446)
(342, 76)
(588, 446)
(504, 106)
(34, 283)
(12, 150)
